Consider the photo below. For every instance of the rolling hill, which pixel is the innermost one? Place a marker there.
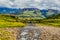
(32, 14)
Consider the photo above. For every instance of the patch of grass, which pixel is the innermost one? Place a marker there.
(9, 21)
(52, 22)
(11, 24)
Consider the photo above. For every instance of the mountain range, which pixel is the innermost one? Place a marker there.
(45, 12)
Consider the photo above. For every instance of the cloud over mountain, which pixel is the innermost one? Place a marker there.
(42, 4)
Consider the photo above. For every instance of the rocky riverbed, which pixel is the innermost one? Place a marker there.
(30, 33)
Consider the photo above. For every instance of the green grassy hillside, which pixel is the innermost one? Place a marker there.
(32, 14)
(57, 16)
(52, 20)
(9, 21)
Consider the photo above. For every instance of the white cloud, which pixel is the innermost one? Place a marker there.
(11, 3)
(41, 4)
(57, 1)
(37, 0)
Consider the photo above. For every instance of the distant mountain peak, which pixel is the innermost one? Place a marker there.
(30, 9)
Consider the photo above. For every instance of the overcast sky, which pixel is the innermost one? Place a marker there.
(41, 4)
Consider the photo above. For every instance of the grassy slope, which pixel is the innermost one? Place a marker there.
(53, 20)
(8, 21)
